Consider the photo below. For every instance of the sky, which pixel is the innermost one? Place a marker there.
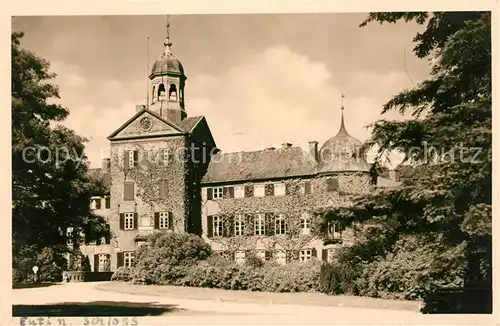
(260, 80)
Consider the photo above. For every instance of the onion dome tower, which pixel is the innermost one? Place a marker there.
(342, 153)
(167, 85)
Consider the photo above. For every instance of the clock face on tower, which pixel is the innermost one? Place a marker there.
(146, 124)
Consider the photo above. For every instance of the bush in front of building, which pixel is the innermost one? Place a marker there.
(50, 263)
(122, 274)
(167, 257)
(221, 273)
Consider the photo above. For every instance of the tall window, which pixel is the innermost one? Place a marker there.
(172, 92)
(280, 225)
(259, 224)
(129, 221)
(305, 223)
(217, 226)
(153, 95)
(131, 160)
(218, 192)
(239, 225)
(166, 156)
(163, 220)
(128, 258)
(161, 92)
(335, 229)
(305, 255)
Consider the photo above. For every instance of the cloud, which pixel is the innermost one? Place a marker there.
(68, 76)
(270, 98)
(282, 96)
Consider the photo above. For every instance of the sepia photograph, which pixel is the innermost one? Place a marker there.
(315, 167)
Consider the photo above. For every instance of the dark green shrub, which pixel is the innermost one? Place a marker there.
(86, 264)
(339, 278)
(122, 274)
(253, 260)
(167, 258)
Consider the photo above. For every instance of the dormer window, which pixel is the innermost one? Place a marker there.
(172, 92)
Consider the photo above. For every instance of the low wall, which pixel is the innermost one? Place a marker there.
(75, 276)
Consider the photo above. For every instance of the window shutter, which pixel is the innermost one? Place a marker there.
(314, 253)
(96, 262)
(157, 221)
(249, 191)
(332, 184)
(126, 160)
(170, 220)
(269, 222)
(268, 255)
(269, 190)
(135, 221)
(136, 157)
(287, 188)
(162, 189)
(231, 192)
(128, 191)
(296, 255)
(210, 193)
(307, 187)
(98, 203)
(119, 259)
(108, 202)
(324, 255)
(210, 226)
(122, 221)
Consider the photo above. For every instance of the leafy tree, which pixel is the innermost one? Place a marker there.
(50, 187)
(446, 198)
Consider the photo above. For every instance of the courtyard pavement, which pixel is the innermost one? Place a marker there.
(82, 299)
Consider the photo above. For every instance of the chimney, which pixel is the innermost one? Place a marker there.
(286, 145)
(392, 174)
(139, 108)
(105, 164)
(313, 150)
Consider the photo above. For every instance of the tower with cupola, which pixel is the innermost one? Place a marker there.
(167, 81)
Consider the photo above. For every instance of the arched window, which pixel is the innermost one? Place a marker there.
(153, 94)
(172, 92)
(161, 92)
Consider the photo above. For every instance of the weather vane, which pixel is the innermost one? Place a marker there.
(168, 44)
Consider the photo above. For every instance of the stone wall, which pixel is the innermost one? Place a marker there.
(147, 177)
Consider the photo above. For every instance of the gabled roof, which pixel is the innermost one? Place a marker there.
(258, 165)
(184, 126)
(188, 124)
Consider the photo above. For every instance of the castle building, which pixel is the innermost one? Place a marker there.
(165, 174)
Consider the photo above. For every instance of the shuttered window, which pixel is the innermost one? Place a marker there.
(128, 191)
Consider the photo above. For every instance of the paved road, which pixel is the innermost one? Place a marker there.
(82, 300)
